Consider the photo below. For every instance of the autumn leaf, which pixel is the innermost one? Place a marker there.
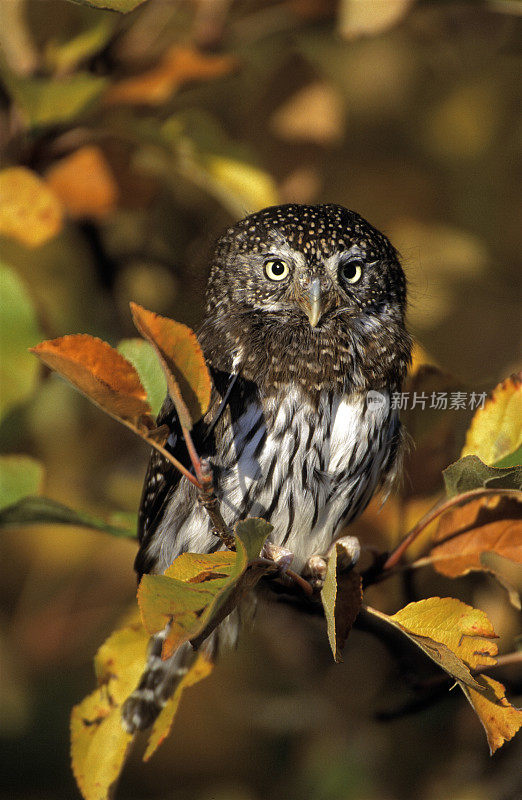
(488, 524)
(454, 635)
(84, 183)
(198, 591)
(29, 211)
(179, 65)
(123, 6)
(183, 363)
(199, 670)
(496, 429)
(99, 743)
(499, 718)
(101, 373)
(341, 597)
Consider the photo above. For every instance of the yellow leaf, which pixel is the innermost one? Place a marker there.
(179, 65)
(182, 360)
(29, 211)
(201, 668)
(100, 372)
(465, 630)
(496, 429)
(341, 597)
(84, 183)
(99, 743)
(499, 718)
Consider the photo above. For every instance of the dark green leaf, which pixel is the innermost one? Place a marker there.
(42, 510)
(470, 473)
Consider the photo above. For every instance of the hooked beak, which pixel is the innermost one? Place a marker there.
(310, 302)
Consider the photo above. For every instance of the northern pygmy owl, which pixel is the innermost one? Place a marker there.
(304, 318)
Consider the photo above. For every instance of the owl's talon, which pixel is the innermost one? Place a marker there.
(350, 551)
(315, 571)
(280, 555)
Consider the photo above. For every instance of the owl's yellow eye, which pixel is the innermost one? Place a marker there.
(276, 269)
(352, 271)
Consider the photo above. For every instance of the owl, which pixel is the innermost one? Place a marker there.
(305, 339)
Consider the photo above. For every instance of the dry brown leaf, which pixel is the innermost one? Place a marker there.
(100, 372)
(499, 718)
(29, 211)
(179, 65)
(488, 524)
(183, 363)
(84, 183)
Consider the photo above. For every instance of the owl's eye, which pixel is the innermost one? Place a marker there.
(351, 271)
(276, 270)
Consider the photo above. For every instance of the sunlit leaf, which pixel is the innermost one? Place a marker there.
(142, 356)
(18, 331)
(19, 476)
(84, 183)
(179, 65)
(183, 363)
(454, 635)
(496, 429)
(44, 511)
(51, 101)
(470, 473)
(488, 524)
(199, 670)
(341, 597)
(29, 211)
(98, 371)
(99, 743)
(499, 718)
(195, 594)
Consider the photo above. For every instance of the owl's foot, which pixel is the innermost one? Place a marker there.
(315, 568)
(279, 555)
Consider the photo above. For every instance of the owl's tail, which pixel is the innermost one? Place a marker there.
(161, 677)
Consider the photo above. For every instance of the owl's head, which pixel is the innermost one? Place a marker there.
(306, 263)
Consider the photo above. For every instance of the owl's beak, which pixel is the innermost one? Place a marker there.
(310, 302)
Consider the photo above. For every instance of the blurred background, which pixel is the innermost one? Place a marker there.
(142, 136)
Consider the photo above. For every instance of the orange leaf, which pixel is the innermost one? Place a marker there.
(179, 65)
(84, 183)
(99, 372)
(488, 524)
(29, 211)
(499, 718)
(183, 363)
(199, 670)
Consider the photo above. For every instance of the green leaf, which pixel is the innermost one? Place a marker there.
(514, 459)
(42, 510)
(341, 597)
(142, 356)
(19, 476)
(18, 331)
(46, 101)
(199, 590)
(471, 473)
(123, 6)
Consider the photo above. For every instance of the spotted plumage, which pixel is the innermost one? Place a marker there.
(304, 317)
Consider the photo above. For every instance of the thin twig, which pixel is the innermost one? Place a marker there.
(210, 503)
(440, 508)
